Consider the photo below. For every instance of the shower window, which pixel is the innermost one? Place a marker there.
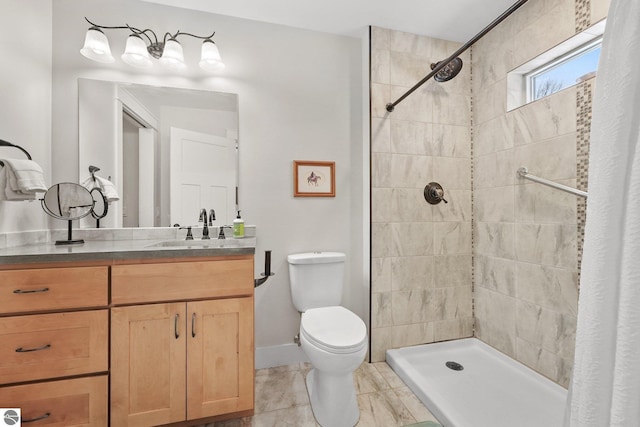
(567, 70)
(564, 65)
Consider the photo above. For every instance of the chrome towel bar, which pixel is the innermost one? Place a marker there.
(523, 173)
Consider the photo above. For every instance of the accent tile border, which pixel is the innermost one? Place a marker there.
(473, 211)
(584, 103)
(583, 15)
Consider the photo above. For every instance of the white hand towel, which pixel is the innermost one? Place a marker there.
(4, 183)
(6, 193)
(25, 176)
(90, 183)
(107, 187)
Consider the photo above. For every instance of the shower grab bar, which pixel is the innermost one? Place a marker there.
(523, 173)
(8, 144)
(440, 65)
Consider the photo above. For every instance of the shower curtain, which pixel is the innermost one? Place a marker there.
(605, 389)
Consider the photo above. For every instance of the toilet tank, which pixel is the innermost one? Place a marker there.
(316, 279)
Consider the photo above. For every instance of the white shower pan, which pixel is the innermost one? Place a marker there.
(492, 390)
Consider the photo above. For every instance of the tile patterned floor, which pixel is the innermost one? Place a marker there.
(384, 400)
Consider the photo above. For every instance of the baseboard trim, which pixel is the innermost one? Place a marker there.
(279, 355)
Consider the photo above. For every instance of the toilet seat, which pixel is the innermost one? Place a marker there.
(334, 329)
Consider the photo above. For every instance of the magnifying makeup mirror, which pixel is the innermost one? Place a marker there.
(68, 201)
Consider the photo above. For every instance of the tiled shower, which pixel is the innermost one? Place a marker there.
(499, 261)
(421, 267)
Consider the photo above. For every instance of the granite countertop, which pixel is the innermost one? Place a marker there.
(125, 249)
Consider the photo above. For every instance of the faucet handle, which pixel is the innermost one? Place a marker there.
(221, 233)
(189, 235)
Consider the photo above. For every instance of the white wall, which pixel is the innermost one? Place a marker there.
(25, 98)
(300, 99)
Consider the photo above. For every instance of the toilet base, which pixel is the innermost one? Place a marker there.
(333, 399)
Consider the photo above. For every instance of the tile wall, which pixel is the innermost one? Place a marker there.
(511, 272)
(528, 236)
(421, 253)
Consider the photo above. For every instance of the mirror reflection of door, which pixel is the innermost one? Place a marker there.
(138, 145)
(202, 176)
(155, 107)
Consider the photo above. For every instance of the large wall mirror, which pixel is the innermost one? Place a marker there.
(169, 152)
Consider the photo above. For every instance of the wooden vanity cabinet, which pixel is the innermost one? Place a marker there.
(54, 326)
(182, 344)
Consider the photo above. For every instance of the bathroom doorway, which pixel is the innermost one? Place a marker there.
(138, 171)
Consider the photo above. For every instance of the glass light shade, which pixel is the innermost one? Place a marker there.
(210, 59)
(135, 52)
(96, 46)
(172, 56)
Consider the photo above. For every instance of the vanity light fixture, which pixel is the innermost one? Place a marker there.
(142, 45)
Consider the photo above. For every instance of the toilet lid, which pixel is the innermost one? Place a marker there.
(334, 328)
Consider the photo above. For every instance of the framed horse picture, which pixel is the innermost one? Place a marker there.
(314, 179)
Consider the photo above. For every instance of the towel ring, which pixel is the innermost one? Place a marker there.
(92, 171)
(4, 143)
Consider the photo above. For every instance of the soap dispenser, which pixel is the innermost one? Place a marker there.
(238, 227)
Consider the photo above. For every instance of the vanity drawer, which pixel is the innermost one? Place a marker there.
(53, 345)
(53, 289)
(181, 281)
(77, 402)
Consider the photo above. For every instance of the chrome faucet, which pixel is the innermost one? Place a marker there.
(207, 221)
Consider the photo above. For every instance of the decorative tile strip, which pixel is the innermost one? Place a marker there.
(583, 15)
(584, 104)
(473, 218)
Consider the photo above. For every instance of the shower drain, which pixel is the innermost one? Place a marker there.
(455, 366)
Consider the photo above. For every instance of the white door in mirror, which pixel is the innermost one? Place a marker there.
(202, 176)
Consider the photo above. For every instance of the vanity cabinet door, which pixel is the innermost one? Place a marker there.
(220, 365)
(148, 357)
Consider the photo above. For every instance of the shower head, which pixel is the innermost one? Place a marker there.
(449, 71)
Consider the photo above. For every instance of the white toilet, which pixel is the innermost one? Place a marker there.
(333, 338)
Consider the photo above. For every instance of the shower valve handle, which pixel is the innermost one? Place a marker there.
(434, 193)
(440, 194)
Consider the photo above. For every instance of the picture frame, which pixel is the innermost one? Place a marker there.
(314, 178)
